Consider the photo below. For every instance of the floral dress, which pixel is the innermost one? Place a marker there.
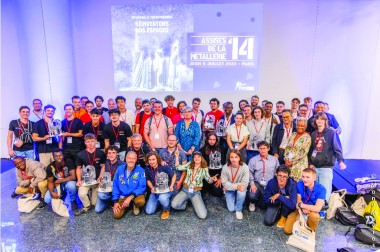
(297, 153)
(188, 137)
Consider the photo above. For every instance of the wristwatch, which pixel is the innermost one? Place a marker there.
(299, 204)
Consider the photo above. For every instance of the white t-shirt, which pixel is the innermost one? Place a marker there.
(128, 117)
(234, 132)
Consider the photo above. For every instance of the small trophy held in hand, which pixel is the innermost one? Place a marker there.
(105, 183)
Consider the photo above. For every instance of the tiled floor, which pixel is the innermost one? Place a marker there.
(43, 230)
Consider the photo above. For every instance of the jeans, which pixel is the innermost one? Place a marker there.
(154, 198)
(251, 154)
(235, 200)
(325, 177)
(274, 212)
(104, 198)
(257, 197)
(180, 202)
(26, 154)
(69, 187)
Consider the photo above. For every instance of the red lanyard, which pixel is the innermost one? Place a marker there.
(47, 127)
(263, 167)
(125, 118)
(238, 133)
(93, 129)
(154, 172)
(93, 158)
(311, 191)
(69, 127)
(228, 121)
(60, 172)
(195, 116)
(24, 174)
(288, 131)
(254, 124)
(116, 135)
(319, 136)
(112, 168)
(21, 127)
(38, 115)
(232, 175)
(279, 190)
(155, 122)
(194, 175)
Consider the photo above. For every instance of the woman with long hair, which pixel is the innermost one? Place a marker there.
(196, 171)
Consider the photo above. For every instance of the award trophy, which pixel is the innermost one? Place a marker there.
(254, 139)
(88, 175)
(210, 120)
(215, 160)
(220, 129)
(55, 128)
(162, 183)
(106, 183)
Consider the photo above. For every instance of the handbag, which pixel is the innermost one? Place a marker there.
(336, 201)
(303, 237)
(359, 206)
(367, 235)
(27, 203)
(58, 205)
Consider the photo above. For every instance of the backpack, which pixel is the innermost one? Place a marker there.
(347, 217)
(372, 215)
(367, 235)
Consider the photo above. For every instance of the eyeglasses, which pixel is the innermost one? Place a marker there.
(286, 117)
(282, 177)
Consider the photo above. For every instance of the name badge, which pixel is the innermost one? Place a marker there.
(290, 155)
(191, 189)
(69, 140)
(49, 141)
(237, 145)
(97, 145)
(314, 154)
(117, 144)
(156, 136)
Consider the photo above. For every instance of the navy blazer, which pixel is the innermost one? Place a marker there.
(278, 134)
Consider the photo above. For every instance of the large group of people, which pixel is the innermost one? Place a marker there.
(167, 156)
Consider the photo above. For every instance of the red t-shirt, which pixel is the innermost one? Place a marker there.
(217, 115)
(143, 120)
(87, 118)
(171, 112)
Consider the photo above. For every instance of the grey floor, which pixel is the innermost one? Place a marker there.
(43, 230)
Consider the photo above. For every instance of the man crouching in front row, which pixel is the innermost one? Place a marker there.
(129, 185)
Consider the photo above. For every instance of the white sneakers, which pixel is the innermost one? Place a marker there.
(252, 207)
(239, 215)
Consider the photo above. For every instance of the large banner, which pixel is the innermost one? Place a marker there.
(186, 47)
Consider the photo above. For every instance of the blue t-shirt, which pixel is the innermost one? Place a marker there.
(311, 197)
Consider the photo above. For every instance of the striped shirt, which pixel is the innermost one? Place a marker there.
(198, 178)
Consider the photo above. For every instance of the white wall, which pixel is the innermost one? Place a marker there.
(329, 50)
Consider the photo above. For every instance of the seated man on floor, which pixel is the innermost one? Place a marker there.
(129, 185)
(111, 166)
(61, 172)
(310, 199)
(261, 169)
(280, 196)
(31, 175)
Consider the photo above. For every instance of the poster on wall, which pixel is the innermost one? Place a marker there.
(185, 47)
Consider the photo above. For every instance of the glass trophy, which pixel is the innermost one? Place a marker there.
(215, 160)
(255, 139)
(88, 175)
(220, 129)
(105, 183)
(162, 181)
(210, 120)
(55, 128)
